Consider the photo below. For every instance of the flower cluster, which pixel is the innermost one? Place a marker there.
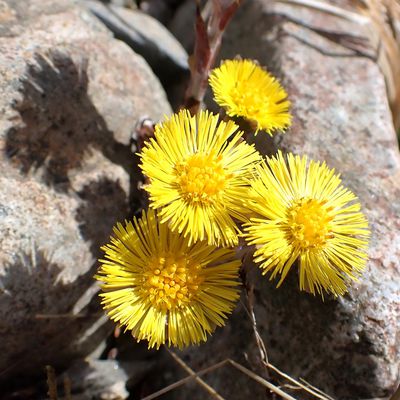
(172, 276)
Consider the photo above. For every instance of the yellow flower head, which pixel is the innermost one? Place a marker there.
(161, 288)
(305, 214)
(198, 177)
(246, 90)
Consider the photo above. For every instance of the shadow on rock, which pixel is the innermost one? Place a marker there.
(43, 320)
(104, 203)
(301, 337)
(60, 124)
(314, 339)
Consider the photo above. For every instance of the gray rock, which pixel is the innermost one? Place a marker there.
(349, 347)
(70, 95)
(146, 36)
(104, 379)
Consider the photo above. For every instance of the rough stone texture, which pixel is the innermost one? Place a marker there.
(70, 96)
(350, 347)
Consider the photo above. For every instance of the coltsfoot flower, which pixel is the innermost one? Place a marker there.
(198, 170)
(305, 214)
(246, 90)
(161, 288)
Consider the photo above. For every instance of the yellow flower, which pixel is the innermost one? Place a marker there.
(246, 90)
(198, 172)
(162, 289)
(305, 214)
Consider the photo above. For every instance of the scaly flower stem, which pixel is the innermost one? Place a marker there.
(207, 44)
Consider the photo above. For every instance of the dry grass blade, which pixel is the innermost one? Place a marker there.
(67, 388)
(318, 393)
(51, 383)
(236, 365)
(196, 376)
(323, 394)
(200, 381)
(183, 381)
(329, 9)
(67, 316)
(261, 381)
(250, 313)
(263, 349)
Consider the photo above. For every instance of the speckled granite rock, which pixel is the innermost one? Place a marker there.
(70, 96)
(349, 348)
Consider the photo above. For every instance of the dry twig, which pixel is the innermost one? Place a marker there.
(329, 9)
(200, 381)
(183, 381)
(262, 381)
(234, 364)
(67, 387)
(249, 292)
(51, 383)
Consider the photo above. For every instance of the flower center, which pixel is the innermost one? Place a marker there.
(171, 281)
(201, 177)
(309, 224)
(248, 102)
